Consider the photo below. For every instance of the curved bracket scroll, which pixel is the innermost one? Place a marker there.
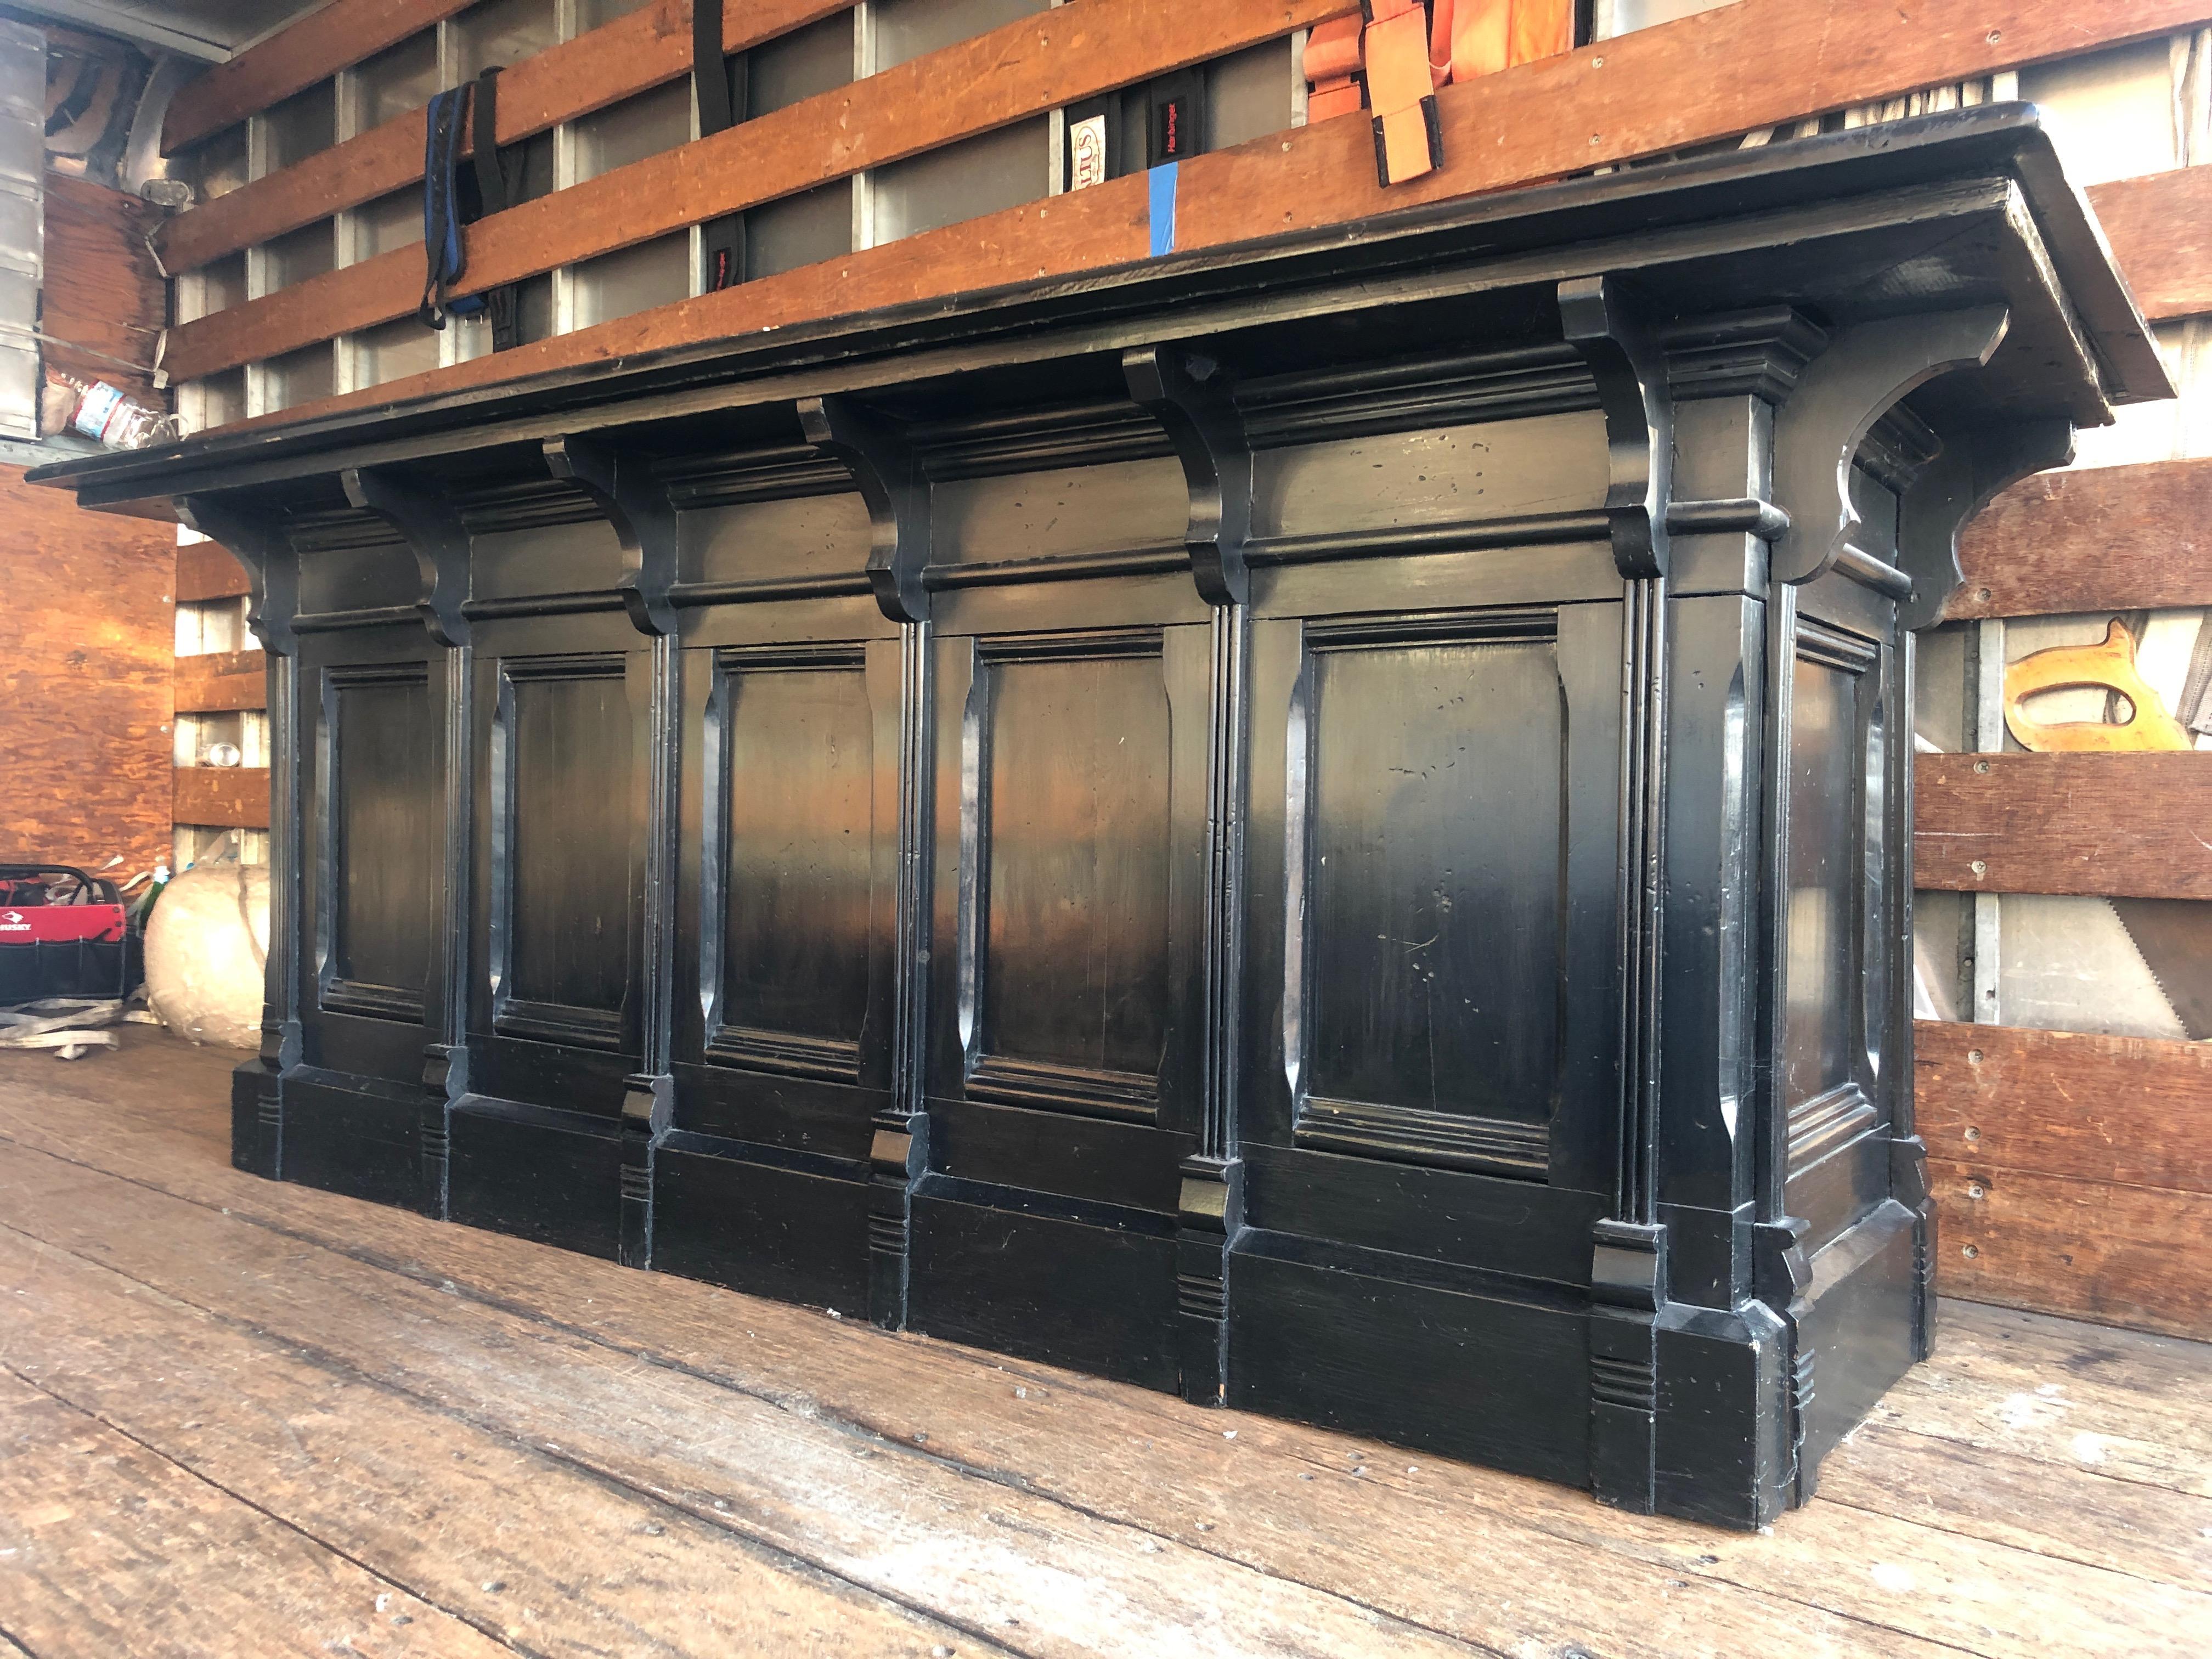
(1866, 370)
(1605, 321)
(622, 486)
(1191, 395)
(257, 541)
(884, 463)
(1974, 466)
(432, 531)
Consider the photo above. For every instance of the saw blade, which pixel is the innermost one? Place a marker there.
(2175, 938)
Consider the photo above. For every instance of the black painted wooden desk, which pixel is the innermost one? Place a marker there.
(1324, 828)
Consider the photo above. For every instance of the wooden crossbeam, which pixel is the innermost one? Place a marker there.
(1613, 101)
(2160, 228)
(1018, 70)
(222, 680)
(221, 796)
(2120, 825)
(338, 36)
(633, 54)
(2072, 1171)
(2106, 539)
(207, 570)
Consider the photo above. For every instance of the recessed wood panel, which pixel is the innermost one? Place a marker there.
(797, 864)
(384, 824)
(1425, 992)
(566, 851)
(1822, 920)
(1069, 853)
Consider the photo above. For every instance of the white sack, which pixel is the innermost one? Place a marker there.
(205, 945)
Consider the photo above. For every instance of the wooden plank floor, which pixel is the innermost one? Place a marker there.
(240, 1418)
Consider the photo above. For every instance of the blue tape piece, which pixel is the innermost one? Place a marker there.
(1163, 208)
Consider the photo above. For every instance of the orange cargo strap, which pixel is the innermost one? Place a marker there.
(1332, 66)
(1405, 53)
(1409, 138)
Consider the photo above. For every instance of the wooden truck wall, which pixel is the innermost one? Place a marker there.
(1343, 853)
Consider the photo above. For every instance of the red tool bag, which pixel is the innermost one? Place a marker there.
(64, 934)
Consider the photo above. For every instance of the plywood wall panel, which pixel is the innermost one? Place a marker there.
(87, 635)
(104, 293)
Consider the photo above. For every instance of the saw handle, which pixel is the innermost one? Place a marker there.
(2109, 667)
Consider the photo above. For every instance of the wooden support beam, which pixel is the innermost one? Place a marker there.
(2161, 229)
(2124, 1255)
(2137, 1111)
(2106, 539)
(222, 797)
(2073, 1172)
(1613, 101)
(222, 680)
(617, 60)
(207, 570)
(2116, 825)
(338, 36)
(1018, 70)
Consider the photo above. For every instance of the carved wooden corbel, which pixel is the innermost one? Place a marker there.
(1605, 321)
(434, 533)
(621, 485)
(1975, 464)
(1190, 394)
(1866, 370)
(884, 463)
(257, 541)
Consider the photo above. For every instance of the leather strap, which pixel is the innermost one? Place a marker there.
(721, 241)
(495, 193)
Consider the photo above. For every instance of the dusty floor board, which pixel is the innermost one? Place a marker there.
(600, 1569)
(108, 1547)
(1034, 1510)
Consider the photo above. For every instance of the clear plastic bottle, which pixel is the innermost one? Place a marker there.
(113, 417)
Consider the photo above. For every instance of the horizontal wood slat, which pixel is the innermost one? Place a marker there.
(222, 680)
(2134, 1111)
(2072, 1171)
(2107, 538)
(338, 36)
(207, 570)
(222, 797)
(2161, 229)
(617, 60)
(1537, 120)
(2139, 1256)
(1018, 70)
(2114, 825)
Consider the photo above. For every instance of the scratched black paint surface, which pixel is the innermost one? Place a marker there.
(1331, 846)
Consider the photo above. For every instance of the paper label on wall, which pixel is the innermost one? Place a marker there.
(1087, 152)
